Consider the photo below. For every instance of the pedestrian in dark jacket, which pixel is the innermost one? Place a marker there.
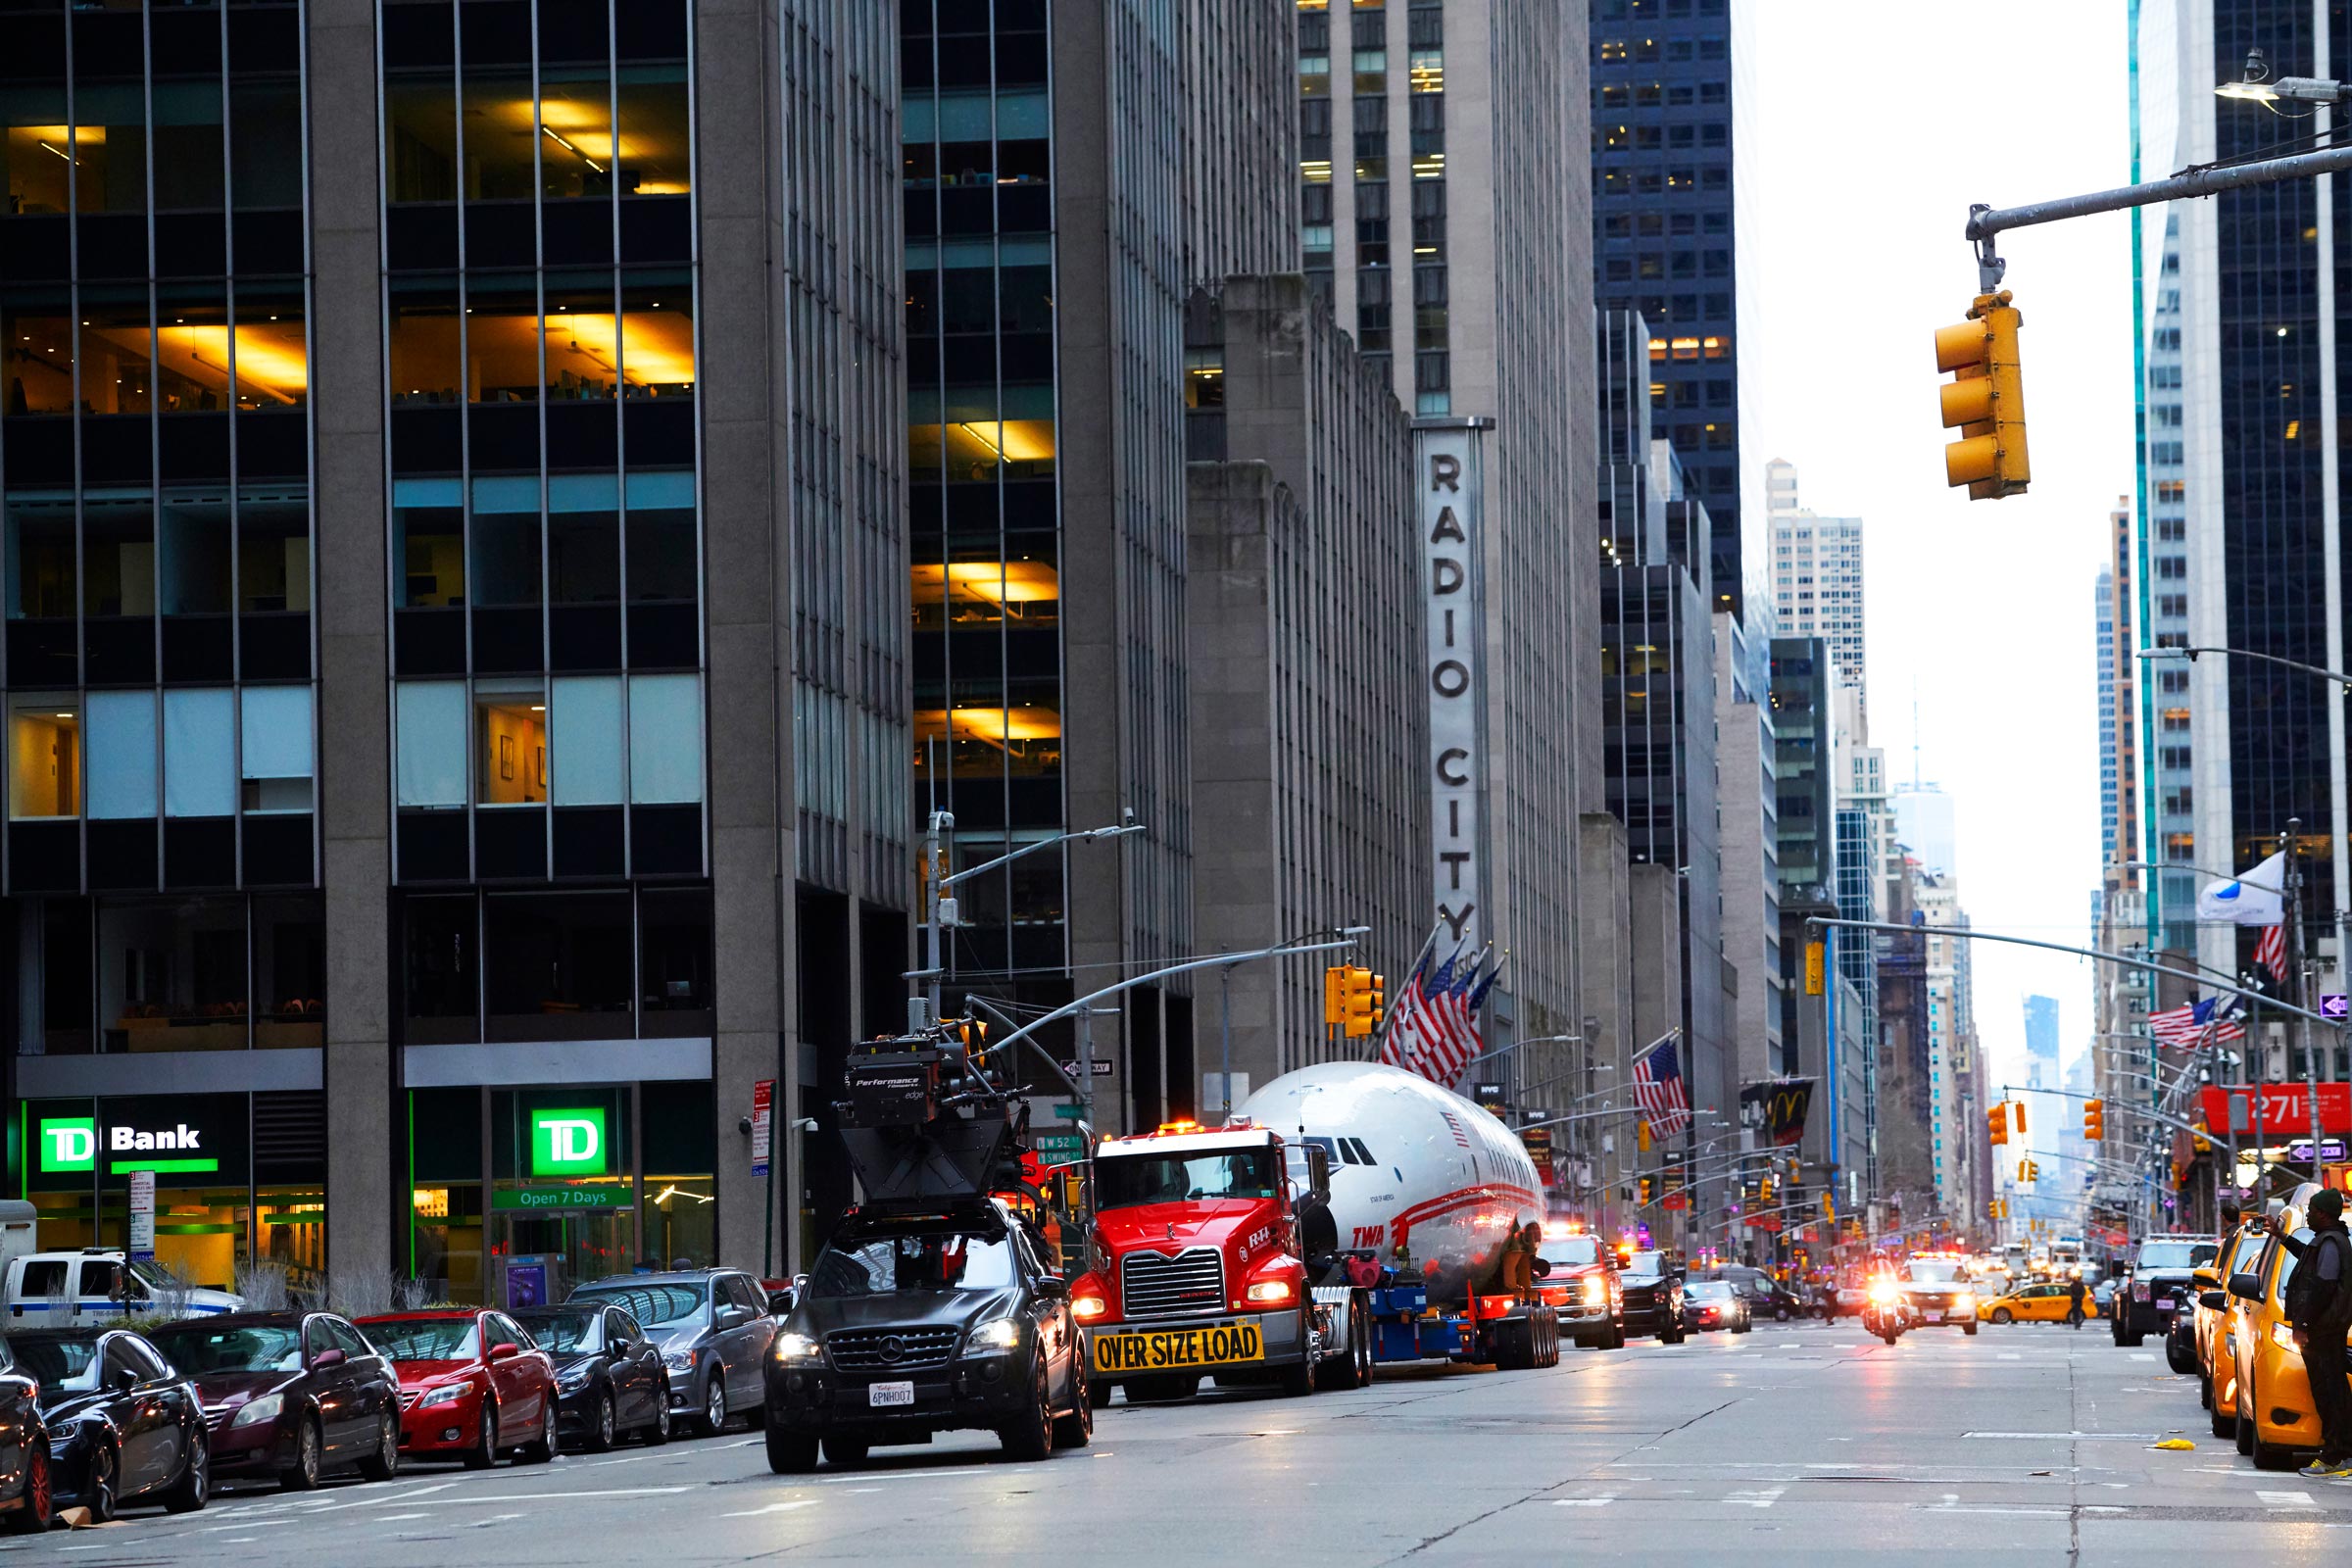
(2074, 1302)
(2319, 1311)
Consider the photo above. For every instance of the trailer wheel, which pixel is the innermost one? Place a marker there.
(1352, 1368)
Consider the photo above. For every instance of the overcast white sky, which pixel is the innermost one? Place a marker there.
(1869, 146)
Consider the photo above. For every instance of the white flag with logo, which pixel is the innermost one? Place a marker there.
(2259, 898)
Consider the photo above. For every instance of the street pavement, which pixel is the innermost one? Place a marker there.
(1799, 1442)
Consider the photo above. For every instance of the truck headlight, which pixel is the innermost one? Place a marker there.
(255, 1411)
(1965, 1301)
(997, 1334)
(1089, 1307)
(1597, 1290)
(791, 1347)
(1271, 1291)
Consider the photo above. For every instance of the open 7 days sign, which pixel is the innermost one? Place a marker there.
(69, 1144)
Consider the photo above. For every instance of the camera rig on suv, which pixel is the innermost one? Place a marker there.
(927, 1123)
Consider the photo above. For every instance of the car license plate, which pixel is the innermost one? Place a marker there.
(2165, 1305)
(1154, 1349)
(881, 1394)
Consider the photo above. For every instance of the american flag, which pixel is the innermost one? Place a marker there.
(1418, 1026)
(2188, 1024)
(1454, 1038)
(2270, 951)
(1658, 1089)
(1400, 1035)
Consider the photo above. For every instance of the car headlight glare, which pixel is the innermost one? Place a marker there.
(1272, 1291)
(997, 1334)
(1596, 1290)
(1965, 1301)
(791, 1347)
(1088, 1308)
(253, 1412)
(450, 1394)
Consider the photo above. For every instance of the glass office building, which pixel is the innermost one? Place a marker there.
(357, 541)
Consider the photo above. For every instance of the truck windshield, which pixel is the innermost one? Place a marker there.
(919, 1260)
(1126, 1180)
(2176, 1255)
(1570, 1252)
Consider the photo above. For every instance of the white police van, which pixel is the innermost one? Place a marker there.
(74, 1289)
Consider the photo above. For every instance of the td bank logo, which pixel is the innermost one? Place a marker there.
(568, 1143)
(68, 1144)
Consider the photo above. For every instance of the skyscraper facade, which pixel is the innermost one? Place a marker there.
(419, 514)
(1815, 574)
(1665, 81)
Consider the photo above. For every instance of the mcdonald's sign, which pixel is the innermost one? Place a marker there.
(1778, 1108)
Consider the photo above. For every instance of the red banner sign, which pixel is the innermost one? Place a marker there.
(1763, 1222)
(2284, 1110)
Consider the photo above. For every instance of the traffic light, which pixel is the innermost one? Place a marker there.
(1357, 1009)
(1766, 1193)
(1335, 993)
(1986, 400)
(2203, 1143)
(1380, 1000)
(1644, 1186)
(1642, 1134)
(2094, 1119)
(1997, 1123)
(1816, 965)
(2016, 1110)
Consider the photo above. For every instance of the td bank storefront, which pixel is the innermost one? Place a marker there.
(589, 1179)
(237, 1176)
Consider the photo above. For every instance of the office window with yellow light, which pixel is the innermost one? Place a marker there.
(985, 589)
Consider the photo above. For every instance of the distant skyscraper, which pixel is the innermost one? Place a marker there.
(1815, 573)
(1924, 822)
(2041, 1042)
(1664, 80)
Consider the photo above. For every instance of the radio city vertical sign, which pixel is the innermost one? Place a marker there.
(1449, 476)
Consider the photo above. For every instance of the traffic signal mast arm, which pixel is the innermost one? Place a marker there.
(2142, 1111)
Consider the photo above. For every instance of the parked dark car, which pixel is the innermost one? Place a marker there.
(124, 1425)
(27, 1485)
(1653, 1298)
(291, 1395)
(714, 1328)
(1766, 1296)
(472, 1385)
(2154, 1287)
(912, 1324)
(610, 1380)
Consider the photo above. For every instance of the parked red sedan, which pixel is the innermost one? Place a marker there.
(472, 1385)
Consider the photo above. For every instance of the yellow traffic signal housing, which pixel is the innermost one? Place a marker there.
(2203, 1143)
(1335, 993)
(1986, 401)
(2094, 1119)
(1356, 1002)
(1641, 1136)
(1997, 1123)
(1380, 1000)
(2016, 1109)
(1645, 1184)
(1766, 1191)
(1816, 957)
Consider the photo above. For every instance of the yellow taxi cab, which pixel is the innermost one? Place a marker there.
(2211, 1324)
(2268, 1392)
(2044, 1303)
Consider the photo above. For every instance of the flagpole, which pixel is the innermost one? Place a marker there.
(2290, 841)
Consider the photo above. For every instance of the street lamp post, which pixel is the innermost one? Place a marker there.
(939, 908)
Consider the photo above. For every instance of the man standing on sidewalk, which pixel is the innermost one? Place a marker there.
(2318, 1308)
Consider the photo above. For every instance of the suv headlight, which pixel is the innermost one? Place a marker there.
(448, 1395)
(1597, 1290)
(253, 1412)
(997, 1334)
(681, 1360)
(791, 1347)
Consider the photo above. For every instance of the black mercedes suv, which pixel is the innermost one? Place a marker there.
(916, 1323)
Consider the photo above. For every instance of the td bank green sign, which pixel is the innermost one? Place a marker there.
(68, 1144)
(568, 1142)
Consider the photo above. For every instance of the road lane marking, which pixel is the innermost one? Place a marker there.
(494, 1519)
(1581, 1502)
(2287, 1499)
(399, 1518)
(2007, 1355)
(778, 1507)
(568, 1496)
(1760, 1497)
(2143, 1356)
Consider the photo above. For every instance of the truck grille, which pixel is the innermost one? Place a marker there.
(1154, 1284)
(890, 1349)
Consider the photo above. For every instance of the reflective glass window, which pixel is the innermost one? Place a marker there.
(429, 727)
(117, 554)
(666, 739)
(278, 752)
(200, 741)
(32, 144)
(428, 529)
(265, 127)
(271, 347)
(657, 336)
(583, 539)
(40, 559)
(116, 355)
(583, 336)
(194, 553)
(192, 348)
(586, 740)
(422, 116)
(500, 130)
(110, 147)
(38, 359)
(661, 538)
(502, 340)
(122, 736)
(273, 554)
(424, 344)
(44, 756)
(654, 155)
(505, 542)
(510, 735)
(188, 147)
(575, 132)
